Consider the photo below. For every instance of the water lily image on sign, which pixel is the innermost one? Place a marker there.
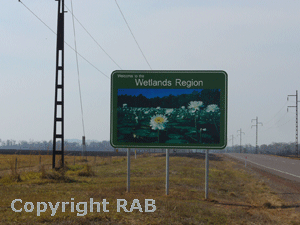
(195, 105)
(212, 108)
(171, 116)
(158, 122)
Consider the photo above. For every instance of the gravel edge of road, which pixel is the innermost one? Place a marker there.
(287, 190)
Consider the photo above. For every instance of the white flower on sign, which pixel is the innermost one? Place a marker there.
(212, 108)
(194, 105)
(169, 111)
(158, 122)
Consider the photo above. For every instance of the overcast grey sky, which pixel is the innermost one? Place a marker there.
(255, 42)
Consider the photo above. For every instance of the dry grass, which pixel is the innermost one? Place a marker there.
(235, 197)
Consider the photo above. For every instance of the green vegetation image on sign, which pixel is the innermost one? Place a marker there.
(169, 109)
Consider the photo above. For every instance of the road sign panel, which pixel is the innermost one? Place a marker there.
(169, 109)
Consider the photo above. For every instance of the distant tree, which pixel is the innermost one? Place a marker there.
(8, 143)
(263, 148)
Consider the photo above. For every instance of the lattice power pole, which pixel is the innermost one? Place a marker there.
(256, 148)
(58, 131)
(296, 119)
(240, 130)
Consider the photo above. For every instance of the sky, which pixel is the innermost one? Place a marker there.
(255, 42)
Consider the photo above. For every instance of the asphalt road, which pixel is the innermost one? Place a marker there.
(283, 167)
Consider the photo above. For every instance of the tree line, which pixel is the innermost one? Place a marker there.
(48, 145)
(207, 96)
(275, 148)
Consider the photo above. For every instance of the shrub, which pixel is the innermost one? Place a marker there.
(86, 172)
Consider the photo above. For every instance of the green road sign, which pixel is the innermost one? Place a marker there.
(169, 109)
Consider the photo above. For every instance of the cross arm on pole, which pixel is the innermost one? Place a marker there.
(240, 132)
(290, 95)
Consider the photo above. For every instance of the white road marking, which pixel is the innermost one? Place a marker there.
(272, 168)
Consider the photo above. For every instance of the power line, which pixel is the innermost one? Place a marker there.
(267, 128)
(275, 125)
(37, 17)
(276, 113)
(284, 123)
(71, 11)
(283, 116)
(66, 42)
(88, 61)
(132, 34)
(77, 70)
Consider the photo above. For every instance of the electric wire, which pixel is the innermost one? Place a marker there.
(77, 70)
(276, 113)
(132, 34)
(37, 17)
(265, 123)
(71, 11)
(66, 42)
(280, 125)
(282, 117)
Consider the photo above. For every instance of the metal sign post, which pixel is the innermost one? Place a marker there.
(167, 171)
(206, 173)
(128, 169)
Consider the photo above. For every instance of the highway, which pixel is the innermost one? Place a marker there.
(283, 167)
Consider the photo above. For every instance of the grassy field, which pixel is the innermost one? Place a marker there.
(235, 197)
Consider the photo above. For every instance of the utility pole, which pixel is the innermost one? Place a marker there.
(83, 148)
(58, 131)
(240, 130)
(231, 139)
(296, 119)
(256, 148)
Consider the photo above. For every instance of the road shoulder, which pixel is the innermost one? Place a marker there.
(287, 190)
